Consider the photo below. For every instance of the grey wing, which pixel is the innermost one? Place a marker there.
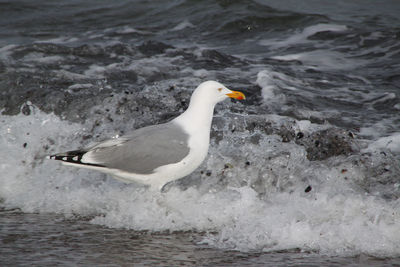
(142, 151)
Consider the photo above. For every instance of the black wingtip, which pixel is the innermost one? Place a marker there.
(74, 156)
(70, 156)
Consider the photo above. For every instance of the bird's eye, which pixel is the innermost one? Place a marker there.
(219, 89)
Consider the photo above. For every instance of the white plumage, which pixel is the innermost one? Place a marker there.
(156, 155)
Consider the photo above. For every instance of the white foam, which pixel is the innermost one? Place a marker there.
(183, 25)
(271, 83)
(335, 218)
(41, 58)
(202, 73)
(323, 60)
(304, 125)
(6, 51)
(78, 86)
(371, 36)
(59, 40)
(391, 143)
(95, 71)
(382, 128)
(302, 37)
(338, 225)
(323, 27)
(128, 30)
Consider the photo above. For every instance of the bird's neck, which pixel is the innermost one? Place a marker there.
(197, 117)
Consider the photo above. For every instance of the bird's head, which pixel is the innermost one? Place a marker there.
(215, 92)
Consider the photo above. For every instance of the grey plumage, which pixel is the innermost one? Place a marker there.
(157, 155)
(140, 152)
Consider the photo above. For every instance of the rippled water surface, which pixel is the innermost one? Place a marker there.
(304, 172)
(49, 240)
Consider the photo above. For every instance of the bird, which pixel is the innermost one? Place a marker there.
(158, 154)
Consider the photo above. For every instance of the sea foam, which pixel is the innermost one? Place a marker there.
(248, 195)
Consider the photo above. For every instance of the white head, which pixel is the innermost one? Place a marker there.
(197, 118)
(212, 92)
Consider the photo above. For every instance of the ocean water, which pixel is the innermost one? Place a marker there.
(305, 172)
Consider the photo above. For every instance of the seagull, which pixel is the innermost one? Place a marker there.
(158, 154)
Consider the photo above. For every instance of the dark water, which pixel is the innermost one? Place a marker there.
(304, 173)
(347, 53)
(48, 240)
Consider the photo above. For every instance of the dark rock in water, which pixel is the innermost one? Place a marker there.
(319, 145)
(253, 124)
(299, 135)
(152, 48)
(287, 134)
(255, 139)
(26, 110)
(324, 144)
(308, 189)
(47, 84)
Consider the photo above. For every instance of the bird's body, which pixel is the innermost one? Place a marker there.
(158, 154)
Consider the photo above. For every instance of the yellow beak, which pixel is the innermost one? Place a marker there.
(237, 95)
